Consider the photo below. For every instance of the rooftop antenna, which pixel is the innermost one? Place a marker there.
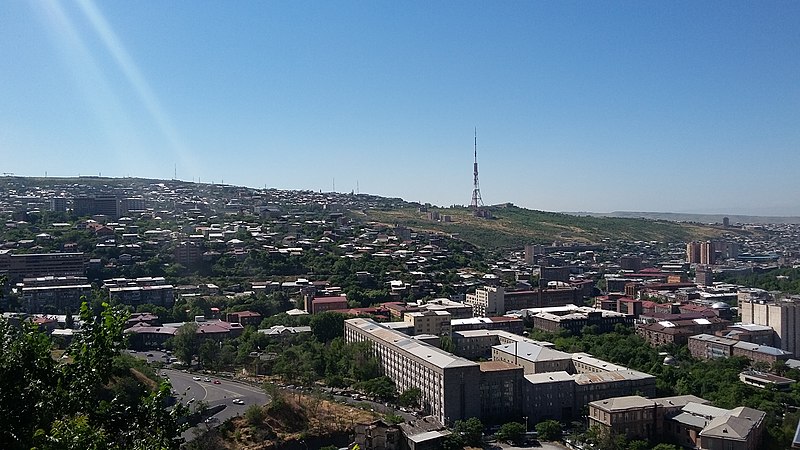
(477, 201)
(175, 175)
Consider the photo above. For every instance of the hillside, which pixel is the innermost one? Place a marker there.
(513, 227)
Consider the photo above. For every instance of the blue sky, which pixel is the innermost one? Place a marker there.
(580, 106)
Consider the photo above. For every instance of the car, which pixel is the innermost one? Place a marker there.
(217, 382)
(163, 373)
(149, 355)
(238, 401)
(207, 380)
(196, 378)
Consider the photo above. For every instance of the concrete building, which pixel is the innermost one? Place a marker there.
(575, 320)
(532, 358)
(487, 301)
(436, 323)
(686, 420)
(783, 316)
(706, 346)
(447, 383)
(54, 295)
(140, 291)
(501, 391)
(33, 265)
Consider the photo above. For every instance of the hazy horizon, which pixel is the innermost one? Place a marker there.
(639, 106)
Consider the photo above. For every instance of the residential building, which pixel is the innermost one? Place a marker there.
(487, 301)
(55, 295)
(783, 316)
(32, 265)
(436, 323)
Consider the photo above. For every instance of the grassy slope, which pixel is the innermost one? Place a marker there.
(514, 227)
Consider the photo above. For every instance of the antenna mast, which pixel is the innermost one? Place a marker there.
(477, 201)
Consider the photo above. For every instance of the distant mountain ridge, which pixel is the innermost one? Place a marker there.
(689, 217)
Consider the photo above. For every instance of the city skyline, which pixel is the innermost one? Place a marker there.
(578, 107)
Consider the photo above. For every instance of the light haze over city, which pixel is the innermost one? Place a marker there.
(579, 106)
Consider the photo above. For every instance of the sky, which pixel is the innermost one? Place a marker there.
(672, 106)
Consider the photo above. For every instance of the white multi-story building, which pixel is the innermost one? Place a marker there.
(447, 383)
(487, 301)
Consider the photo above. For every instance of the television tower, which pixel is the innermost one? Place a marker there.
(477, 201)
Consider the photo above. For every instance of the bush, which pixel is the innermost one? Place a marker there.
(255, 415)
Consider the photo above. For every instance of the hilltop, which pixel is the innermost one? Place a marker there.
(513, 227)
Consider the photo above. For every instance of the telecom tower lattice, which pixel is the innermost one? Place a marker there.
(477, 201)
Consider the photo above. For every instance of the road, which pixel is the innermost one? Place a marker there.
(187, 388)
(190, 391)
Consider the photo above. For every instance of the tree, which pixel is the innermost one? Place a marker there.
(665, 447)
(255, 415)
(186, 343)
(327, 325)
(380, 387)
(471, 430)
(85, 402)
(548, 430)
(511, 432)
(409, 398)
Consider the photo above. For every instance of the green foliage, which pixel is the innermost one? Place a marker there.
(186, 343)
(327, 325)
(380, 387)
(255, 415)
(409, 398)
(394, 419)
(90, 400)
(665, 447)
(511, 432)
(785, 280)
(548, 430)
(471, 430)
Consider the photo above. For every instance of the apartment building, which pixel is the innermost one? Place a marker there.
(54, 295)
(783, 316)
(32, 265)
(140, 291)
(487, 301)
(436, 323)
(447, 383)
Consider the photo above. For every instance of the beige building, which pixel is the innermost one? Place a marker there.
(686, 420)
(783, 316)
(448, 384)
(487, 301)
(532, 358)
(436, 323)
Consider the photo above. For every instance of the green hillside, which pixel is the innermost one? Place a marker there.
(513, 227)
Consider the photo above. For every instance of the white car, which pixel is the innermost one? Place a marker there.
(196, 378)
(207, 380)
(238, 401)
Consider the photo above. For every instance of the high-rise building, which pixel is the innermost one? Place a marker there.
(707, 254)
(783, 316)
(693, 252)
